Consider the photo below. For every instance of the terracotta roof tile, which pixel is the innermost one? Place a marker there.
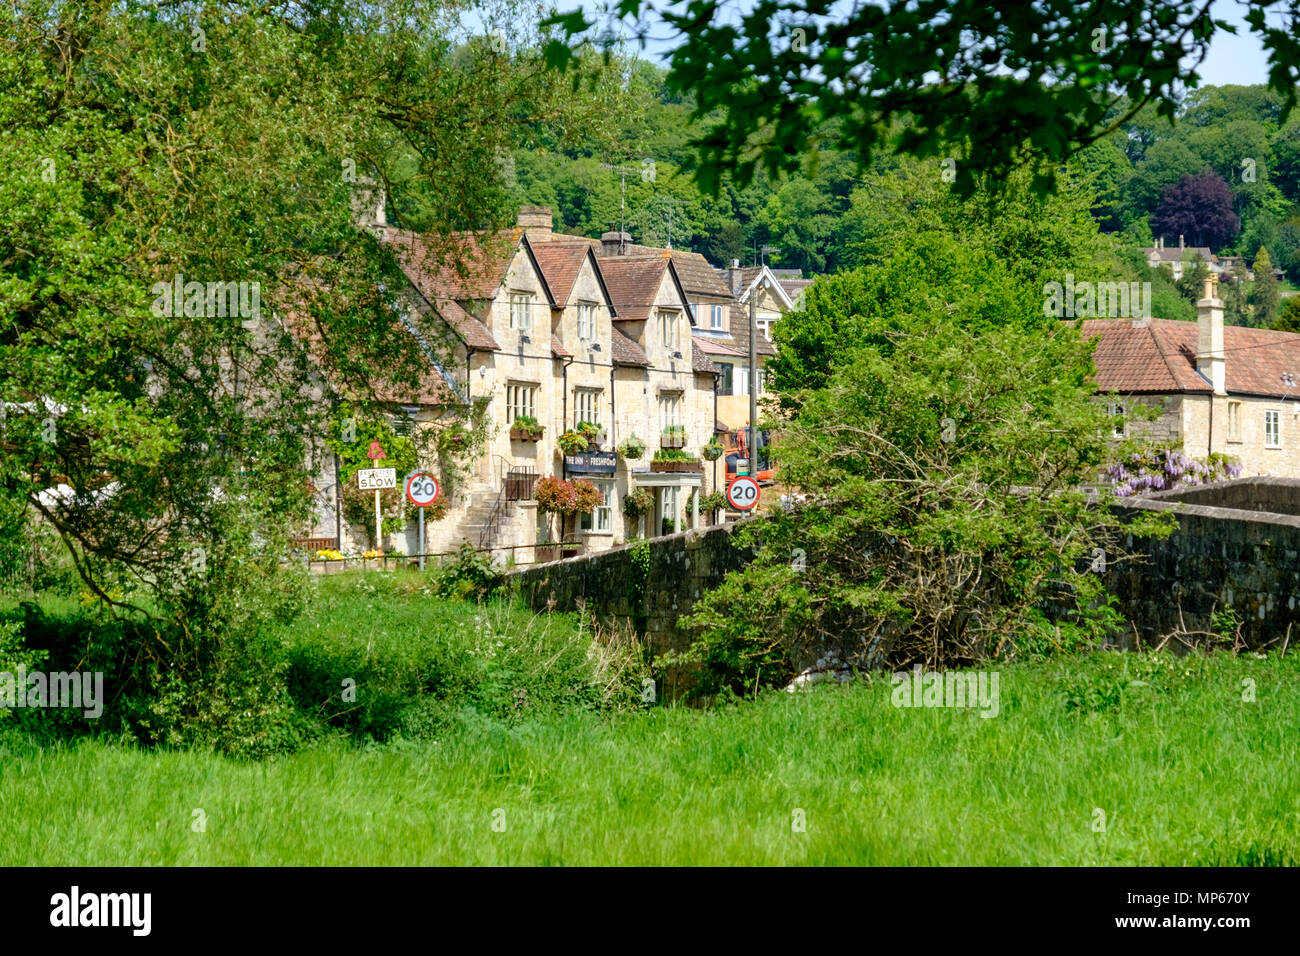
(470, 329)
(560, 263)
(471, 266)
(1161, 357)
(712, 346)
(700, 361)
(429, 389)
(633, 284)
(626, 352)
(693, 270)
(557, 348)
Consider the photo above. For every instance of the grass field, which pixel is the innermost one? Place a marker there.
(1184, 770)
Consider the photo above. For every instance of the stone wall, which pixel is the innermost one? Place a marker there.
(682, 567)
(1217, 558)
(1274, 495)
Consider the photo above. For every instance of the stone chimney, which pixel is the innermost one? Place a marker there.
(369, 205)
(1209, 335)
(614, 243)
(536, 222)
(1181, 245)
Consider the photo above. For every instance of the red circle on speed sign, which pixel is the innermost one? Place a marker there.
(742, 494)
(422, 488)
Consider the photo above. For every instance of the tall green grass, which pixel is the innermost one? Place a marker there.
(1184, 770)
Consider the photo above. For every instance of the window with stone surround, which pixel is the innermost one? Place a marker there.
(1234, 421)
(521, 401)
(586, 406)
(521, 311)
(1272, 428)
(600, 520)
(586, 321)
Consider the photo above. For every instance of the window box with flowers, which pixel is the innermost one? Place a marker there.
(674, 436)
(526, 428)
(673, 461)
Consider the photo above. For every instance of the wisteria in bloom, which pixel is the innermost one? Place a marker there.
(1146, 472)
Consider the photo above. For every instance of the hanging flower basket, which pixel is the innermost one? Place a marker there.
(631, 448)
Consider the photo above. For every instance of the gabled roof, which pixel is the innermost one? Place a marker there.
(431, 388)
(694, 273)
(700, 362)
(624, 351)
(740, 335)
(1161, 357)
(470, 329)
(470, 269)
(633, 283)
(1177, 254)
(561, 263)
(698, 277)
(774, 284)
(710, 346)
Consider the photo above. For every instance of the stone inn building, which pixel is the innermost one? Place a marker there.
(1231, 390)
(562, 330)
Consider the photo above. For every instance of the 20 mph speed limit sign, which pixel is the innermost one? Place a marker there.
(742, 494)
(422, 488)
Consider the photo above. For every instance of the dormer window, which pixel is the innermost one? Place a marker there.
(586, 321)
(521, 311)
(668, 329)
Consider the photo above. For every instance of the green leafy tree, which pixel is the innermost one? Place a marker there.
(1288, 315)
(942, 450)
(1264, 295)
(990, 90)
(167, 442)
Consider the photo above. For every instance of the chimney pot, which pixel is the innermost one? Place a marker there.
(536, 221)
(1181, 246)
(1209, 335)
(614, 243)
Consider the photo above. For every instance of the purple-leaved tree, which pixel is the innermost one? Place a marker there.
(1199, 207)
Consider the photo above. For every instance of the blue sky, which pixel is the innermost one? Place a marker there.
(1232, 59)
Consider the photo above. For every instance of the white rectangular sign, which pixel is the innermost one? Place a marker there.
(371, 478)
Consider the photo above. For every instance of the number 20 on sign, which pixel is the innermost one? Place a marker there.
(742, 494)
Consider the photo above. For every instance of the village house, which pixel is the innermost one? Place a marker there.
(1218, 390)
(1182, 256)
(774, 292)
(559, 331)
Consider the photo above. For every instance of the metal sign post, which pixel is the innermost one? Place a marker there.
(422, 490)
